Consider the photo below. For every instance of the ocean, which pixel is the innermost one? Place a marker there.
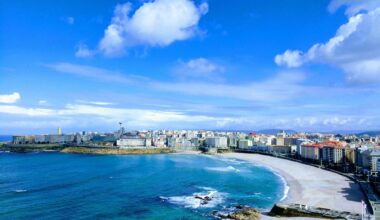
(78, 186)
(5, 138)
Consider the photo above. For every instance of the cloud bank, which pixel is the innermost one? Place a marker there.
(355, 48)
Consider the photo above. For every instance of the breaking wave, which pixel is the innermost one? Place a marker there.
(207, 199)
(223, 169)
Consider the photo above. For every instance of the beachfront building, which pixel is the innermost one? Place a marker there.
(23, 139)
(375, 162)
(311, 151)
(216, 142)
(279, 149)
(299, 143)
(131, 142)
(290, 141)
(333, 152)
(233, 142)
(245, 144)
(280, 141)
(181, 143)
(261, 148)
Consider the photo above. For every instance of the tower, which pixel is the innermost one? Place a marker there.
(59, 131)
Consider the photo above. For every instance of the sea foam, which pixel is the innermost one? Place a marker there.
(223, 169)
(194, 201)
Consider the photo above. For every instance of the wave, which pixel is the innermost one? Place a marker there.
(20, 190)
(209, 199)
(223, 169)
(286, 187)
(275, 172)
(284, 182)
(225, 159)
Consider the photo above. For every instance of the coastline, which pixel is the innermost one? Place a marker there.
(310, 185)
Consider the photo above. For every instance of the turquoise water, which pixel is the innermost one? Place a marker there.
(75, 186)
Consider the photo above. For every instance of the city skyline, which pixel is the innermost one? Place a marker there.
(306, 66)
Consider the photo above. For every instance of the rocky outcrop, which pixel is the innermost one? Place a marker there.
(298, 210)
(240, 213)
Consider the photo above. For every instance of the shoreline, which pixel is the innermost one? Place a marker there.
(310, 185)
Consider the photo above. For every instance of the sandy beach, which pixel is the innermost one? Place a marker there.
(310, 185)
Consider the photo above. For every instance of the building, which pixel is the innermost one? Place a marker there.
(279, 149)
(299, 143)
(245, 144)
(311, 151)
(290, 141)
(233, 142)
(375, 162)
(25, 139)
(280, 141)
(333, 152)
(133, 142)
(216, 142)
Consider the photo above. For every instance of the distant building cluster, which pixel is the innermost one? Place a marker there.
(348, 152)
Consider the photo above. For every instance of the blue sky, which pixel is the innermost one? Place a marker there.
(180, 64)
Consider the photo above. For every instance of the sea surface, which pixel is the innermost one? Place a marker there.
(78, 186)
(5, 138)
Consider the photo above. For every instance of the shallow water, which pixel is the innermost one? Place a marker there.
(74, 186)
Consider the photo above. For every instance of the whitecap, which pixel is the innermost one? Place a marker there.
(194, 201)
(20, 190)
(223, 169)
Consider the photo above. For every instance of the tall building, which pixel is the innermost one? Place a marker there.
(311, 151)
(59, 132)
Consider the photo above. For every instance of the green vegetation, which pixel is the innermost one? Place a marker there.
(91, 150)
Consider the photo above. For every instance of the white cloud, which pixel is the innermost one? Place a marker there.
(354, 6)
(16, 110)
(355, 47)
(88, 116)
(83, 51)
(156, 23)
(10, 98)
(94, 72)
(95, 102)
(289, 58)
(199, 68)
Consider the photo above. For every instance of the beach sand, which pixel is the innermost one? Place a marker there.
(310, 185)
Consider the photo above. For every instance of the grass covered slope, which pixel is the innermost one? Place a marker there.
(87, 150)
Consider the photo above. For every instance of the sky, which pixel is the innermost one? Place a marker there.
(306, 65)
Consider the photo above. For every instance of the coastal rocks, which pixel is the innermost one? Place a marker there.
(239, 213)
(204, 199)
(298, 210)
(208, 198)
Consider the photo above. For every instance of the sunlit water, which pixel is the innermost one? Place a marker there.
(74, 186)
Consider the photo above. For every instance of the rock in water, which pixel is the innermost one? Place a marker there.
(245, 213)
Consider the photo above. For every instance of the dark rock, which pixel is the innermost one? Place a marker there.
(245, 213)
